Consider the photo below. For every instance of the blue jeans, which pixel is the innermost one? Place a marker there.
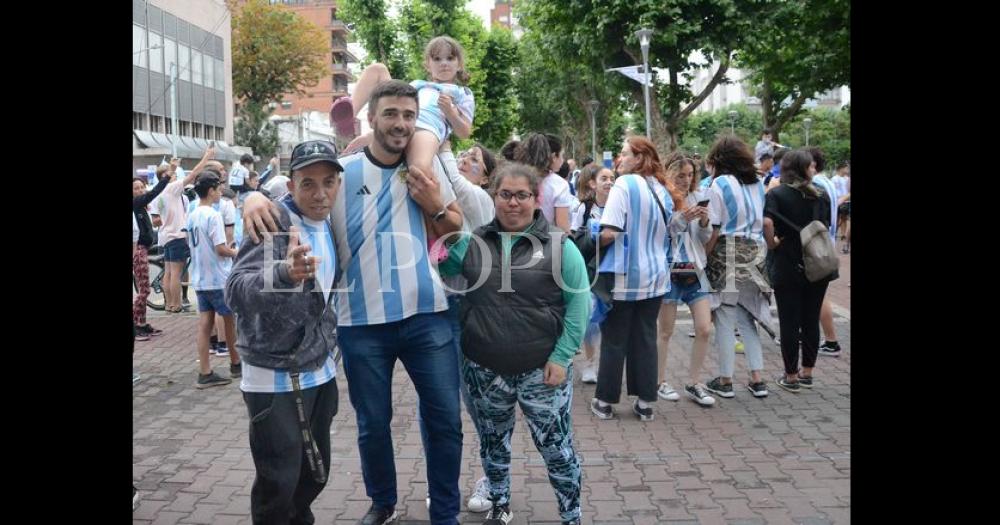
(424, 343)
(454, 308)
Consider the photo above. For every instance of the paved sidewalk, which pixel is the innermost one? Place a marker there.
(782, 459)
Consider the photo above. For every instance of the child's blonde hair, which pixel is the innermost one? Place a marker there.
(450, 45)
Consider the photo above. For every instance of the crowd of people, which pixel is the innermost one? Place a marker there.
(485, 275)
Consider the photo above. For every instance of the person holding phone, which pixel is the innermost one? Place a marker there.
(689, 234)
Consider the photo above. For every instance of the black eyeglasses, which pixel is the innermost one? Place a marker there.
(521, 196)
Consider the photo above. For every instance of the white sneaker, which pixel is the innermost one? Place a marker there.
(667, 392)
(589, 376)
(428, 500)
(479, 501)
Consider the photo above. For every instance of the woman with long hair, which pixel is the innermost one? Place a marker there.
(687, 265)
(794, 204)
(635, 228)
(740, 294)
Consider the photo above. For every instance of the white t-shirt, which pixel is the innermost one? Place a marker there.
(554, 194)
(171, 205)
(237, 175)
(135, 230)
(209, 270)
(579, 221)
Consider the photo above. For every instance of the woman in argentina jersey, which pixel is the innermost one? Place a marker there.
(736, 211)
(634, 227)
(687, 283)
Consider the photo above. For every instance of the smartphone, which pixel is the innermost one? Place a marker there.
(703, 203)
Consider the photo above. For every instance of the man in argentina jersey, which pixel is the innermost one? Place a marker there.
(287, 325)
(390, 303)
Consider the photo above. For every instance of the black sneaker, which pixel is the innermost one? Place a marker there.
(830, 348)
(805, 382)
(236, 370)
(645, 414)
(499, 515)
(792, 386)
(212, 379)
(716, 387)
(377, 516)
(759, 389)
(697, 393)
(149, 330)
(601, 412)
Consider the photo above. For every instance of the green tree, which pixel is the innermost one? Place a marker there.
(275, 51)
(378, 33)
(496, 111)
(830, 130)
(600, 34)
(805, 50)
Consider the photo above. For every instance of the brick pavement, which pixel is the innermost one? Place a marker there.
(783, 459)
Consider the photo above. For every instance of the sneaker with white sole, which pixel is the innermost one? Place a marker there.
(480, 501)
(667, 392)
(645, 414)
(758, 389)
(499, 515)
(830, 348)
(589, 375)
(716, 386)
(791, 386)
(602, 412)
(698, 394)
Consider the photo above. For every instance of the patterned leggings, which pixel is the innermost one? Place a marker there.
(140, 268)
(547, 414)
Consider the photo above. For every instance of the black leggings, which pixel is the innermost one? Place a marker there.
(799, 304)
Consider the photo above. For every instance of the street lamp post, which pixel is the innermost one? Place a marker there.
(807, 122)
(643, 35)
(732, 121)
(594, 104)
(173, 109)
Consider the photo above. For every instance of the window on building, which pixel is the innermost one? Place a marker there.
(168, 125)
(155, 124)
(138, 120)
(196, 69)
(185, 128)
(220, 75)
(155, 52)
(139, 53)
(209, 72)
(184, 59)
(196, 130)
(220, 133)
(170, 54)
(333, 14)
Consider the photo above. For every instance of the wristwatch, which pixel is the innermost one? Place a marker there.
(440, 215)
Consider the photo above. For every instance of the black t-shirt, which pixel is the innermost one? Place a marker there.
(793, 205)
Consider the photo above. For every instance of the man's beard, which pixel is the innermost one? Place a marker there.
(383, 140)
